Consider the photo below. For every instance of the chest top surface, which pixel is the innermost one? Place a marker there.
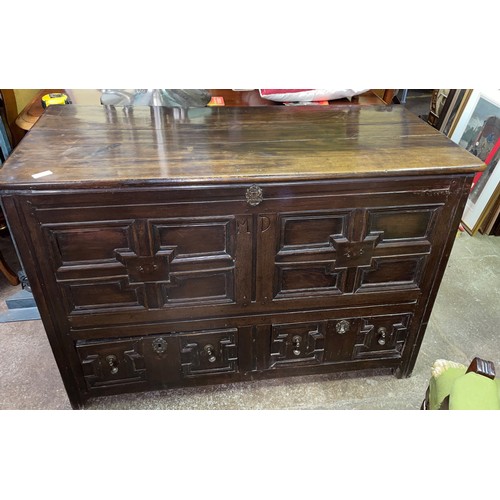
(93, 146)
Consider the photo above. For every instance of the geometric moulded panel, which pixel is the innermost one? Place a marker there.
(202, 259)
(97, 295)
(215, 286)
(89, 243)
(303, 279)
(304, 263)
(310, 230)
(210, 352)
(392, 272)
(145, 263)
(106, 363)
(402, 224)
(297, 344)
(192, 238)
(381, 337)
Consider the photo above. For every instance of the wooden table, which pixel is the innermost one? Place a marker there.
(169, 247)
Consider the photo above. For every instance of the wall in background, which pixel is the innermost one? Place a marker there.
(23, 97)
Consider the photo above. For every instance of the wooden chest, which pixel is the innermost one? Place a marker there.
(173, 247)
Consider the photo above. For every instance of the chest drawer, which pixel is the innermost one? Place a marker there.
(231, 354)
(377, 338)
(162, 361)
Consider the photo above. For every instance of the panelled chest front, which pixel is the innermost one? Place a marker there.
(175, 247)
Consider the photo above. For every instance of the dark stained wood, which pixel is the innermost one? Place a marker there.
(155, 265)
(97, 147)
(482, 367)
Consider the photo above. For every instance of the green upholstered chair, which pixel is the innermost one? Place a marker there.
(455, 387)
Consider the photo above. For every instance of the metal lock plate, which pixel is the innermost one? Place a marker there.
(342, 326)
(254, 195)
(159, 345)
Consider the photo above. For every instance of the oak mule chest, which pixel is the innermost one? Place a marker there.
(178, 247)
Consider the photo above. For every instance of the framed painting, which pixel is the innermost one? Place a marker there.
(456, 105)
(478, 131)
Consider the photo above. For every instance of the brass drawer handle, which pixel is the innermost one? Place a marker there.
(113, 363)
(382, 332)
(209, 349)
(254, 195)
(296, 344)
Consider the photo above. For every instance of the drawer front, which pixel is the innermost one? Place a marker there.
(156, 361)
(112, 363)
(224, 355)
(371, 337)
(378, 337)
(209, 353)
(297, 344)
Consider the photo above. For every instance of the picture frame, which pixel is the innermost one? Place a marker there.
(440, 99)
(457, 108)
(491, 220)
(478, 131)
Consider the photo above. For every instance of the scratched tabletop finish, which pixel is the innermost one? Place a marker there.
(97, 146)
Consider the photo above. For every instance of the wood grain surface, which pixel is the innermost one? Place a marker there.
(100, 146)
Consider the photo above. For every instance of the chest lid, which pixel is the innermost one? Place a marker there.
(97, 146)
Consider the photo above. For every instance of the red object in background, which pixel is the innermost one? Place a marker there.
(494, 149)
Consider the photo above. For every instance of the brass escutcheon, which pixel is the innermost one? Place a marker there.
(342, 326)
(159, 345)
(254, 195)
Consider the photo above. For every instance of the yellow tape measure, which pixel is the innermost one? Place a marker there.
(54, 99)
